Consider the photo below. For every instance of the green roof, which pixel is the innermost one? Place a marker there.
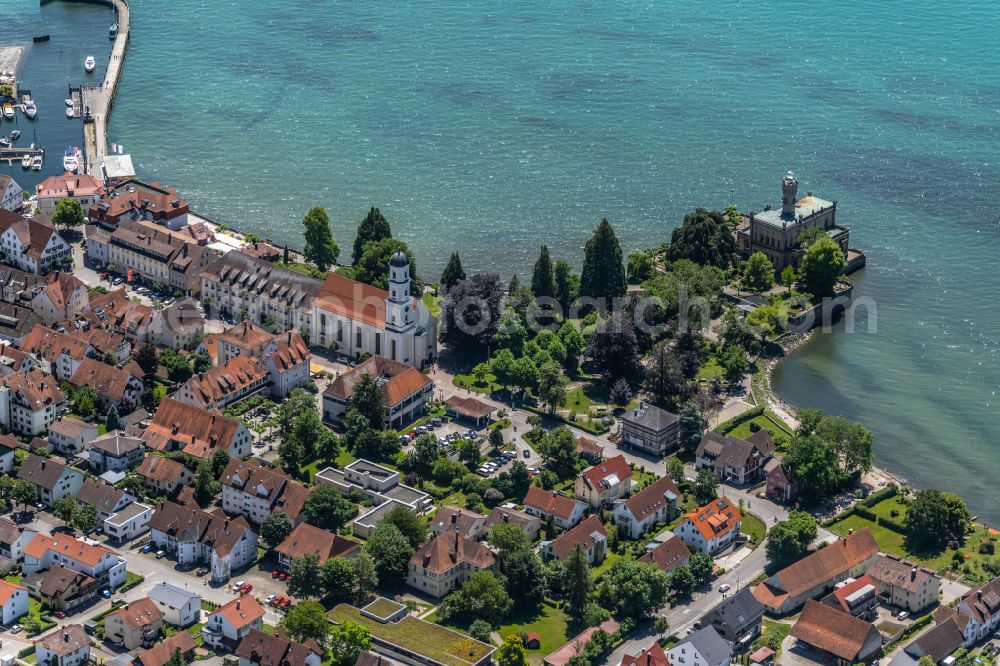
(430, 640)
(383, 608)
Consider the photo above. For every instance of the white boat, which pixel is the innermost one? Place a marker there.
(69, 160)
(68, 101)
(5, 142)
(26, 161)
(69, 112)
(8, 111)
(89, 64)
(15, 135)
(36, 163)
(30, 109)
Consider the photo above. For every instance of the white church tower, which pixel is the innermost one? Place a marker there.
(400, 317)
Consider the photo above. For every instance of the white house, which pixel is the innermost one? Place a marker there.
(52, 480)
(30, 402)
(11, 194)
(255, 489)
(180, 607)
(13, 539)
(230, 623)
(195, 536)
(704, 647)
(98, 562)
(180, 427)
(83, 187)
(30, 244)
(71, 435)
(129, 522)
(710, 528)
(67, 646)
(656, 503)
(564, 511)
(604, 483)
(8, 445)
(63, 297)
(13, 602)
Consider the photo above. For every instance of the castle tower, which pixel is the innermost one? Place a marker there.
(789, 190)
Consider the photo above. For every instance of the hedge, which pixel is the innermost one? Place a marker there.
(892, 524)
(862, 507)
(726, 426)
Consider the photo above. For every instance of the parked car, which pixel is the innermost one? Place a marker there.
(16, 629)
(160, 554)
(60, 614)
(902, 615)
(201, 571)
(148, 547)
(724, 587)
(106, 593)
(238, 584)
(526, 453)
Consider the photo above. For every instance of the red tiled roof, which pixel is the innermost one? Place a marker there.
(66, 546)
(352, 299)
(139, 613)
(158, 468)
(398, 381)
(549, 502)
(716, 518)
(833, 631)
(198, 433)
(669, 555)
(469, 407)
(652, 498)
(69, 185)
(160, 654)
(7, 590)
(586, 534)
(308, 540)
(241, 611)
(651, 656)
(599, 476)
(211, 387)
(446, 551)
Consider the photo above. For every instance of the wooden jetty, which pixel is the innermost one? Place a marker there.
(76, 95)
(16, 153)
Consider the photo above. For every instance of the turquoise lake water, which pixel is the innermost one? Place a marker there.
(494, 127)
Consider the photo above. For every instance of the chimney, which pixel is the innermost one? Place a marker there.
(237, 604)
(65, 636)
(913, 573)
(454, 518)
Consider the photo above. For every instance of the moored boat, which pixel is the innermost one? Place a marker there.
(113, 30)
(36, 163)
(89, 64)
(15, 135)
(69, 112)
(30, 109)
(8, 111)
(69, 159)
(26, 161)
(5, 142)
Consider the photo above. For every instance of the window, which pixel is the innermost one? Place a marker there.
(358, 337)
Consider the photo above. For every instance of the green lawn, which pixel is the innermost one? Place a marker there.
(488, 386)
(742, 431)
(432, 303)
(343, 459)
(549, 622)
(711, 370)
(753, 527)
(771, 635)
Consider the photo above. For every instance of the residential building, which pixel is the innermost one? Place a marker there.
(228, 625)
(16, 322)
(978, 611)
(262, 250)
(565, 512)
(474, 412)
(113, 385)
(195, 536)
(668, 554)
(285, 356)
(704, 647)
(115, 311)
(650, 429)
(224, 385)
(13, 539)
(180, 607)
(710, 528)
(589, 450)
(179, 325)
(58, 354)
(375, 483)
(589, 535)
(133, 200)
(31, 244)
(82, 187)
(363, 525)
(446, 561)
(13, 602)
(255, 489)
(780, 487)
(163, 476)
(651, 656)
(62, 298)
(574, 647)
(856, 596)
(656, 503)
(129, 522)
(775, 232)
(842, 638)
(11, 194)
(454, 519)
(737, 618)
(62, 588)
(14, 360)
(405, 391)
(951, 632)
(180, 427)
(306, 539)
(135, 624)
(52, 480)
(509, 514)
(734, 460)
(106, 499)
(605, 482)
(98, 562)
(115, 452)
(904, 584)
(161, 653)
(153, 255)
(30, 402)
(258, 648)
(70, 435)
(818, 572)
(68, 645)
(8, 446)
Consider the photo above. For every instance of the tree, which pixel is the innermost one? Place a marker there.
(815, 466)
(640, 267)
(934, 518)
(205, 484)
(306, 620)
(567, 284)
(68, 213)
(366, 575)
(789, 539)
(614, 350)
(704, 238)
(758, 273)
(558, 448)
(112, 422)
(701, 566)
(178, 367)
(426, 452)
(339, 579)
(85, 518)
(409, 525)
(453, 273)
(525, 577)
(788, 277)
(603, 274)
(852, 441)
(373, 227)
(675, 468)
(552, 385)
(542, 279)
(470, 313)
(520, 479)
(705, 486)
(736, 333)
(304, 578)
(24, 493)
(390, 551)
(480, 630)
(682, 581)
(220, 460)
(201, 362)
(525, 373)
(574, 343)
(691, 425)
(147, 358)
(768, 320)
(275, 528)
(373, 267)
(511, 652)
(578, 582)
(509, 539)
(821, 266)
(665, 378)
(633, 589)
(496, 439)
(481, 597)
(468, 452)
(134, 485)
(327, 509)
(366, 399)
(320, 247)
(63, 509)
(621, 393)
(735, 365)
(176, 659)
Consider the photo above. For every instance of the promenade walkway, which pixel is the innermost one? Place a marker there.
(98, 99)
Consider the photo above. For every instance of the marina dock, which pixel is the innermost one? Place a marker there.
(16, 153)
(97, 100)
(77, 97)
